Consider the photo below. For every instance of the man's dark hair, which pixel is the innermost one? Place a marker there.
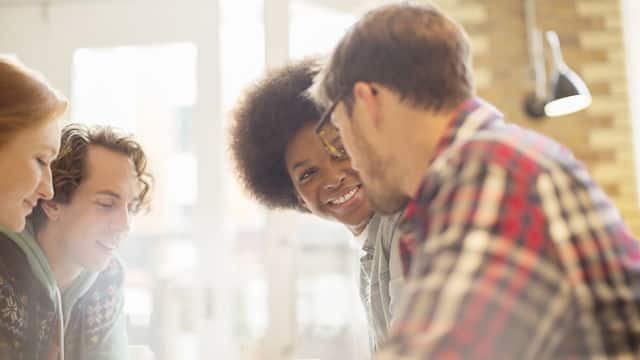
(264, 122)
(414, 50)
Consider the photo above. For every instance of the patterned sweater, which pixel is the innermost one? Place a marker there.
(95, 327)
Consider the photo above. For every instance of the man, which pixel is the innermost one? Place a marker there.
(511, 250)
(61, 287)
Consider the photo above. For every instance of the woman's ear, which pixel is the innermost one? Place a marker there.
(51, 209)
(303, 205)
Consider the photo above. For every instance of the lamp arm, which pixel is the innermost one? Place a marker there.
(536, 50)
(556, 51)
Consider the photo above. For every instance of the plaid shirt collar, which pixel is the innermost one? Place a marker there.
(471, 116)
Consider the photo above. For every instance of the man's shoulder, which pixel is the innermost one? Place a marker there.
(98, 310)
(103, 301)
(519, 151)
(106, 292)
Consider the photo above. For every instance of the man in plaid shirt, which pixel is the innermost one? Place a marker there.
(511, 251)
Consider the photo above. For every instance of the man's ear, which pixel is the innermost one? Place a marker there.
(52, 209)
(369, 101)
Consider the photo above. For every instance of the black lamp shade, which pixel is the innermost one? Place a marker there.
(568, 93)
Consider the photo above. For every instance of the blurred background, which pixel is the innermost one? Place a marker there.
(211, 275)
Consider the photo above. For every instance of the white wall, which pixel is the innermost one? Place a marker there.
(631, 14)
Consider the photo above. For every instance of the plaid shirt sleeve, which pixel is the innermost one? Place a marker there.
(485, 281)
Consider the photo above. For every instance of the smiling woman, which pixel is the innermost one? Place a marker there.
(29, 137)
(289, 168)
(283, 164)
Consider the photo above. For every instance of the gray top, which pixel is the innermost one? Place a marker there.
(381, 277)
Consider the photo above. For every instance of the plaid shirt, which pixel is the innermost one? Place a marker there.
(511, 251)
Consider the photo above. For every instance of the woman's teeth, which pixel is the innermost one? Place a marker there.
(344, 198)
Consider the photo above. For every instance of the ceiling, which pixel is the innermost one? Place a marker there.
(342, 5)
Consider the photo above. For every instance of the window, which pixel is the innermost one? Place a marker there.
(149, 91)
(330, 318)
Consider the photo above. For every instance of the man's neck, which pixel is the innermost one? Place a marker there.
(64, 271)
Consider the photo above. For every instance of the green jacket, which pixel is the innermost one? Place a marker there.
(31, 307)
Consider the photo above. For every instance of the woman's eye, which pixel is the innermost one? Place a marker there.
(42, 162)
(306, 175)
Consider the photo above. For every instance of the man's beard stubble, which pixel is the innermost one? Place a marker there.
(383, 193)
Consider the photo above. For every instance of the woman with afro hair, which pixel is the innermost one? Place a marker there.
(282, 163)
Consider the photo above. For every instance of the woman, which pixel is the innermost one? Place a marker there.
(29, 139)
(282, 163)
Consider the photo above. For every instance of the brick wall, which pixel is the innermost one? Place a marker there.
(591, 35)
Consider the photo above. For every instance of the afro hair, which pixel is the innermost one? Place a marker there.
(264, 121)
